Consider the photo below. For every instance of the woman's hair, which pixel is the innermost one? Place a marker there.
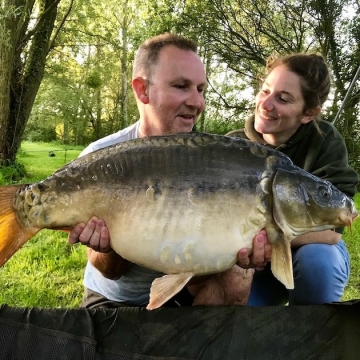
(148, 53)
(313, 73)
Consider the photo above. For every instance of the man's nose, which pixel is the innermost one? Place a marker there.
(196, 100)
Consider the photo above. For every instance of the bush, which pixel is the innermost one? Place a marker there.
(36, 133)
(12, 173)
(222, 127)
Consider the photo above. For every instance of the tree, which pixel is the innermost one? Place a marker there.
(338, 36)
(28, 31)
(90, 73)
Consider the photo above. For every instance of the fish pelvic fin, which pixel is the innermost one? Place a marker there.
(165, 287)
(281, 262)
(12, 234)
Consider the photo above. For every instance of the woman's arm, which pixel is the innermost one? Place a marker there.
(320, 237)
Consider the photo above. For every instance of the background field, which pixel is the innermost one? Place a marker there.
(47, 271)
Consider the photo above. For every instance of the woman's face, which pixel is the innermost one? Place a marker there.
(280, 106)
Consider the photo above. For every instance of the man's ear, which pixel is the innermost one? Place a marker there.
(140, 87)
(310, 114)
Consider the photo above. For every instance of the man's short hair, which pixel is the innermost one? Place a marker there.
(148, 52)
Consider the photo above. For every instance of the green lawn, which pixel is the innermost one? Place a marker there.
(352, 239)
(38, 163)
(47, 272)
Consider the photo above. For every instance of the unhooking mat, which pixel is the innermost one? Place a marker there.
(328, 332)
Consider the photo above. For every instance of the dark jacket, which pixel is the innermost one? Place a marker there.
(324, 155)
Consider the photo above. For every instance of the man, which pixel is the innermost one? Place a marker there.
(168, 82)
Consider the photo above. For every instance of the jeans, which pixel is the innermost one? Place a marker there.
(321, 272)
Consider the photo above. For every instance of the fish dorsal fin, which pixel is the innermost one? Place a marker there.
(281, 261)
(165, 287)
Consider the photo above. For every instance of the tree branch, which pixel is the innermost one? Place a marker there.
(40, 19)
(51, 43)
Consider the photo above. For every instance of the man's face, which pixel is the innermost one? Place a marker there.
(175, 92)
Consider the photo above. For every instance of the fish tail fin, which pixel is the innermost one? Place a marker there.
(165, 287)
(12, 234)
(281, 262)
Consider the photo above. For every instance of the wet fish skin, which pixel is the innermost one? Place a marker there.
(180, 204)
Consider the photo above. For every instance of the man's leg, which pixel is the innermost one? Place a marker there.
(266, 290)
(93, 300)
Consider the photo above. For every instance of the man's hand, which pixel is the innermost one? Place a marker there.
(259, 256)
(231, 287)
(94, 234)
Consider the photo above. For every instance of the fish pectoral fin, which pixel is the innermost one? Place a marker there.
(281, 262)
(162, 289)
(12, 234)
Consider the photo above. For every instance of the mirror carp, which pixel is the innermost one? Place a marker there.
(181, 204)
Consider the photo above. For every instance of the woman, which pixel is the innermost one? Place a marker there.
(287, 118)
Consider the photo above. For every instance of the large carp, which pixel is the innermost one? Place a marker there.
(181, 204)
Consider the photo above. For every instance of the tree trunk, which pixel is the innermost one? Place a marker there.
(124, 69)
(22, 69)
(7, 54)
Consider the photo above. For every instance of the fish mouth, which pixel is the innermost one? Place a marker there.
(348, 219)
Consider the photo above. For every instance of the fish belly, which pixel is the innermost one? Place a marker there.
(180, 231)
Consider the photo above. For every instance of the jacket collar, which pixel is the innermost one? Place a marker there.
(253, 135)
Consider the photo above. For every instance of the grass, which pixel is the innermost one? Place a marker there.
(47, 271)
(352, 239)
(38, 163)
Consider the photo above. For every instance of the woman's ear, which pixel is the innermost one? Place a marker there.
(310, 114)
(140, 87)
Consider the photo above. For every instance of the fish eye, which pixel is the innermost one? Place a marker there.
(324, 191)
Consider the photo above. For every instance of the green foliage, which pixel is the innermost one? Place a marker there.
(12, 173)
(37, 131)
(93, 80)
(222, 127)
(352, 239)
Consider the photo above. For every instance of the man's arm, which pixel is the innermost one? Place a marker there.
(110, 264)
